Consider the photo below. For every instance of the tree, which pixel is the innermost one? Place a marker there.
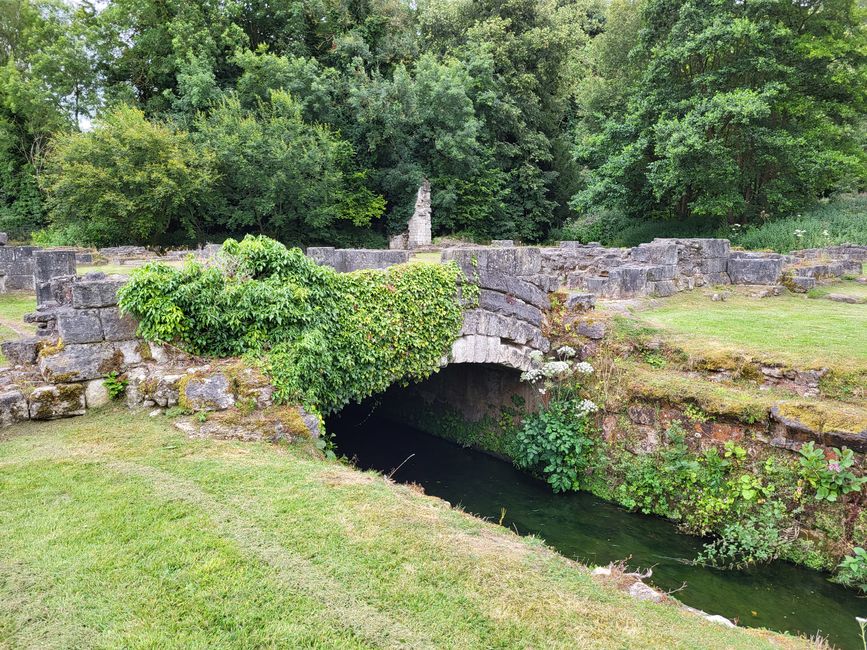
(281, 176)
(46, 86)
(729, 110)
(129, 180)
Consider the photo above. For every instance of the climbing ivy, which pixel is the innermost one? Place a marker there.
(325, 338)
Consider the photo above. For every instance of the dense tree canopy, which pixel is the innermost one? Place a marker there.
(314, 121)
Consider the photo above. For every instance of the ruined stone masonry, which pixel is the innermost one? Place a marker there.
(82, 338)
(418, 233)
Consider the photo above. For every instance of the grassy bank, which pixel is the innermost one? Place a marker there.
(789, 329)
(117, 531)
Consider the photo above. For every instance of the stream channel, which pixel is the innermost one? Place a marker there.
(779, 596)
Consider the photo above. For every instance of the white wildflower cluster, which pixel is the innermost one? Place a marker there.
(583, 367)
(532, 376)
(566, 352)
(555, 369)
(586, 406)
(799, 233)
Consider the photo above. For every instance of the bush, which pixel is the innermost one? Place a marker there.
(127, 181)
(852, 571)
(756, 538)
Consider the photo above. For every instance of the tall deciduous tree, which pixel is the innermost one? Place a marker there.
(728, 109)
(280, 175)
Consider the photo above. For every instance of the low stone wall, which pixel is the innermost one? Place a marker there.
(83, 339)
(345, 260)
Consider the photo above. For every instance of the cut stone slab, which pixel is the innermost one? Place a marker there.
(81, 362)
(57, 401)
(755, 270)
(79, 326)
(580, 301)
(20, 352)
(95, 293)
(117, 327)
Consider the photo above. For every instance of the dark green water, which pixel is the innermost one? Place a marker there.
(779, 596)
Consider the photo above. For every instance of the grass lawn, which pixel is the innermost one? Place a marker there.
(121, 269)
(13, 306)
(789, 329)
(118, 531)
(846, 287)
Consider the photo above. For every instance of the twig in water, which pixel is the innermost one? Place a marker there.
(392, 472)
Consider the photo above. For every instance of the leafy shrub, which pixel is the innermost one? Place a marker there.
(830, 478)
(327, 337)
(852, 571)
(556, 442)
(757, 538)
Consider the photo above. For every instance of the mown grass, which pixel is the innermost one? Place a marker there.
(120, 269)
(117, 531)
(13, 306)
(789, 329)
(846, 288)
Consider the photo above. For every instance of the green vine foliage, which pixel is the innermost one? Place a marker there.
(326, 338)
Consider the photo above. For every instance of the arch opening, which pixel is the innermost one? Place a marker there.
(472, 404)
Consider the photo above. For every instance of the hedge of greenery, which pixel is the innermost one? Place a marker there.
(325, 338)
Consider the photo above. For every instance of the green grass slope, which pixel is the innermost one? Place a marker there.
(118, 531)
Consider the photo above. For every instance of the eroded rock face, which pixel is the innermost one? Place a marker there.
(13, 408)
(212, 393)
(57, 401)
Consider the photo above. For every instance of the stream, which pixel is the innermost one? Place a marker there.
(778, 596)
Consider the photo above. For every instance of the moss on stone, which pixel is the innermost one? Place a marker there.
(49, 348)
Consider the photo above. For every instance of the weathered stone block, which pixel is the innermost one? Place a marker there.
(96, 394)
(801, 283)
(513, 261)
(509, 306)
(15, 282)
(79, 326)
(95, 293)
(80, 362)
(52, 264)
(580, 301)
(657, 253)
(755, 270)
(662, 288)
(592, 330)
(512, 286)
(117, 327)
(13, 408)
(628, 281)
(661, 272)
(4, 239)
(502, 243)
(21, 351)
(714, 265)
(207, 393)
(167, 391)
(57, 401)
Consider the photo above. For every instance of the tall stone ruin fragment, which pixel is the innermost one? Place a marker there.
(418, 233)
